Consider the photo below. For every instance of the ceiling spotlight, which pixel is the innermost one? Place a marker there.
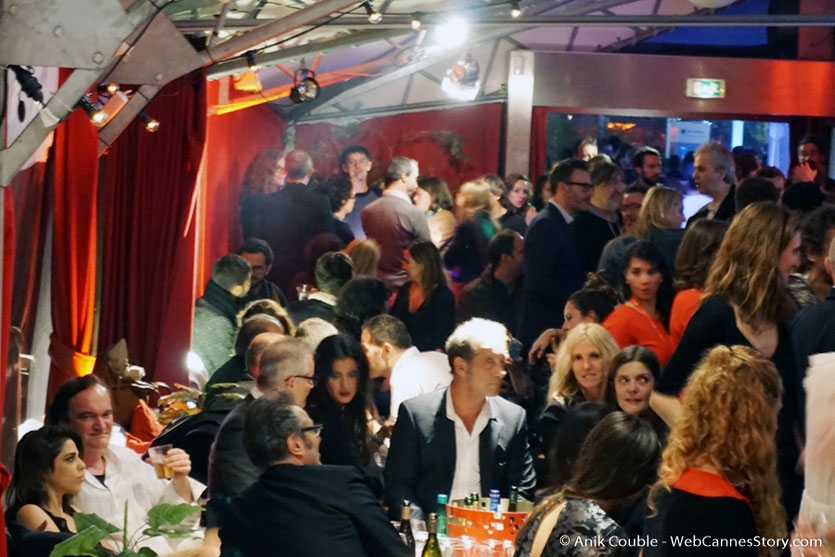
(306, 88)
(29, 84)
(97, 117)
(416, 23)
(452, 32)
(250, 60)
(150, 124)
(373, 15)
(461, 81)
(112, 88)
(515, 9)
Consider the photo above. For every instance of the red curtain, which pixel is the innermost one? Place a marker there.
(148, 256)
(455, 144)
(539, 140)
(74, 179)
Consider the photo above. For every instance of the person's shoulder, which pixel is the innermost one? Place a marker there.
(32, 517)
(421, 404)
(715, 305)
(509, 411)
(123, 453)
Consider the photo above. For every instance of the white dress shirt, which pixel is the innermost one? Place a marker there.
(467, 478)
(416, 373)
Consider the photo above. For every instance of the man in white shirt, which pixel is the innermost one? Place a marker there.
(116, 475)
(408, 371)
(463, 438)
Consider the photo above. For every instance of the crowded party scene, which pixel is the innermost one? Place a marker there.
(395, 278)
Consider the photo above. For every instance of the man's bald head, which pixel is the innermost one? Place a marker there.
(299, 166)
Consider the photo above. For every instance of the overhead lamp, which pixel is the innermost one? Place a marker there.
(515, 9)
(97, 117)
(461, 81)
(416, 23)
(29, 84)
(112, 88)
(306, 88)
(452, 32)
(373, 15)
(150, 124)
(250, 60)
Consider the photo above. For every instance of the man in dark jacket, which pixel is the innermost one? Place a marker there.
(299, 507)
(259, 255)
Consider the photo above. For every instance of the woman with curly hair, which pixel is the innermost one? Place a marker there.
(264, 175)
(746, 302)
(718, 475)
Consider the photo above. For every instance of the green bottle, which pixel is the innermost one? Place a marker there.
(442, 523)
(432, 547)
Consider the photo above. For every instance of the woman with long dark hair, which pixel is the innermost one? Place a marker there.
(634, 372)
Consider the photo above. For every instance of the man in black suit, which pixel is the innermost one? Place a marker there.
(463, 438)
(553, 270)
(290, 218)
(299, 507)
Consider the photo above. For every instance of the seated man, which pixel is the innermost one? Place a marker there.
(409, 372)
(116, 475)
(332, 271)
(259, 255)
(299, 507)
(464, 438)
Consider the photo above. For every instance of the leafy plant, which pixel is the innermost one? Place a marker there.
(163, 520)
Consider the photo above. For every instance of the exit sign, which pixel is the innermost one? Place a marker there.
(698, 88)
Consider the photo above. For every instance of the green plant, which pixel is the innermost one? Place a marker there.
(163, 520)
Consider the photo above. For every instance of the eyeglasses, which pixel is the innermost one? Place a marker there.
(585, 185)
(316, 429)
(312, 378)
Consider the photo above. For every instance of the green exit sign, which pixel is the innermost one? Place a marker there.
(698, 88)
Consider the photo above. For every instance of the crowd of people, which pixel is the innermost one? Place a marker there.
(370, 347)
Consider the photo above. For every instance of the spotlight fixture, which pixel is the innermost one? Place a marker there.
(461, 81)
(112, 88)
(150, 124)
(416, 23)
(373, 15)
(97, 117)
(306, 88)
(515, 9)
(28, 82)
(250, 60)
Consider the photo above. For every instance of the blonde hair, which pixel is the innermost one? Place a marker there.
(475, 196)
(656, 209)
(744, 272)
(563, 385)
(729, 422)
(365, 255)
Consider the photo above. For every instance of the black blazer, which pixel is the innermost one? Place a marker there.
(553, 272)
(315, 510)
(421, 459)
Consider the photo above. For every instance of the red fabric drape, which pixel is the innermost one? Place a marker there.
(539, 140)
(149, 191)
(74, 179)
(455, 144)
(5, 324)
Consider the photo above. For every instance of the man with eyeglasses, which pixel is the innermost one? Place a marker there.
(299, 507)
(285, 367)
(553, 270)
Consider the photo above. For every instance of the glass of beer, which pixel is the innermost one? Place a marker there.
(157, 457)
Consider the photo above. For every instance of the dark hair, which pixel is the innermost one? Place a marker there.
(563, 170)
(639, 354)
(360, 299)
(645, 251)
(254, 326)
(439, 192)
(603, 171)
(697, 251)
(343, 158)
(618, 458)
(541, 182)
(600, 299)
(565, 447)
(58, 412)
(813, 231)
(333, 270)
(501, 244)
(746, 163)
(770, 172)
(753, 189)
(804, 197)
(318, 246)
(257, 245)
(338, 191)
(426, 253)
(330, 349)
(34, 459)
(635, 188)
(230, 271)
(387, 328)
(270, 308)
(814, 140)
(268, 423)
(641, 154)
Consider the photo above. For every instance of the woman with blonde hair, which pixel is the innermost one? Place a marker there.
(718, 475)
(659, 223)
(465, 257)
(746, 302)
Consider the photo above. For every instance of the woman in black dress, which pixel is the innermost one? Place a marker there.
(425, 304)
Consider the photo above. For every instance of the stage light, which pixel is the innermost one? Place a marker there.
(97, 117)
(28, 82)
(461, 81)
(373, 15)
(150, 124)
(112, 88)
(306, 88)
(250, 60)
(515, 10)
(416, 23)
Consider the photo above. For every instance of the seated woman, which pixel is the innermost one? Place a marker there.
(617, 461)
(648, 291)
(563, 453)
(695, 254)
(425, 304)
(718, 472)
(580, 373)
(634, 371)
(466, 254)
